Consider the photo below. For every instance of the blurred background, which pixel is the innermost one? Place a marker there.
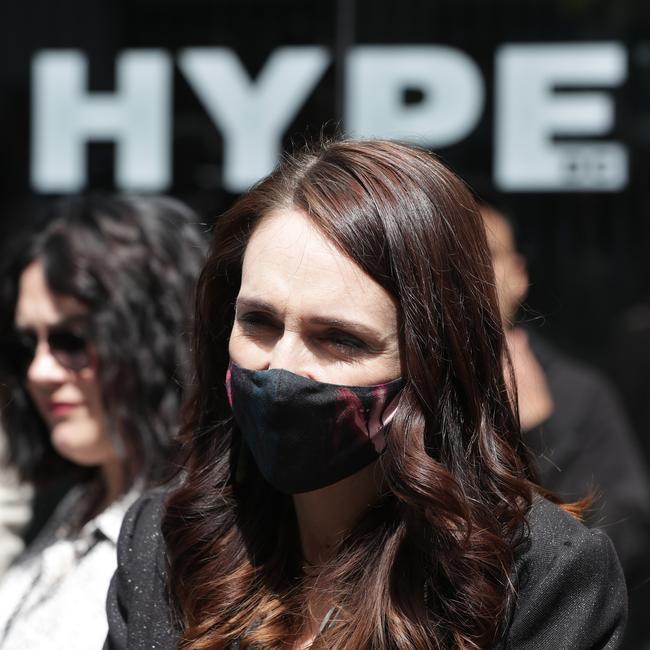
(152, 95)
(543, 106)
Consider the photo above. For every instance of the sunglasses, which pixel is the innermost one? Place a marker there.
(69, 346)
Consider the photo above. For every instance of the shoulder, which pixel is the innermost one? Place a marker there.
(563, 368)
(142, 520)
(140, 547)
(554, 531)
(570, 587)
(139, 614)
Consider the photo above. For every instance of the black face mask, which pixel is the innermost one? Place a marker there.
(304, 434)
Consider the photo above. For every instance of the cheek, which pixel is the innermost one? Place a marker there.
(39, 399)
(500, 273)
(368, 372)
(394, 364)
(88, 385)
(245, 352)
(31, 390)
(83, 441)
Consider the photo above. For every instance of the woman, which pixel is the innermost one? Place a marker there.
(94, 308)
(358, 481)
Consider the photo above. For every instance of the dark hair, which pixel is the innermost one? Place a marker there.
(133, 261)
(430, 566)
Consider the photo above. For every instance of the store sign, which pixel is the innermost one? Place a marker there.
(542, 128)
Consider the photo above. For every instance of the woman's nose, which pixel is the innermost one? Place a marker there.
(291, 353)
(44, 368)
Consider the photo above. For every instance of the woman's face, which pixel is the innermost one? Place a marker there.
(69, 401)
(305, 307)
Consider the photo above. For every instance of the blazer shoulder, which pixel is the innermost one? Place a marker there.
(137, 607)
(141, 524)
(571, 590)
(552, 528)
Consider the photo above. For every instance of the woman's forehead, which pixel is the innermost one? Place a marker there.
(289, 261)
(37, 304)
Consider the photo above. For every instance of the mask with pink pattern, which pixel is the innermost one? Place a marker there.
(305, 434)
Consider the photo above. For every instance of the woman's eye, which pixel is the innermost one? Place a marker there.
(256, 321)
(346, 343)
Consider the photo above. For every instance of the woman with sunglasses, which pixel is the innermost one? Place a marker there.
(94, 308)
(354, 477)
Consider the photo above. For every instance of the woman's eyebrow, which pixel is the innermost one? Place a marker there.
(72, 320)
(345, 324)
(66, 321)
(255, 303)
(77, 320)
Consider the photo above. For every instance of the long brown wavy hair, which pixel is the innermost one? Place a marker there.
(430, 566)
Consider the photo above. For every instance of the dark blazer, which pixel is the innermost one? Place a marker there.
(571, 591)
(587, 446)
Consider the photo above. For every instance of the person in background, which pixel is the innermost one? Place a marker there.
(629, 363)
(353, 475)
(575, 426)
(94, 308)
(15, 508)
